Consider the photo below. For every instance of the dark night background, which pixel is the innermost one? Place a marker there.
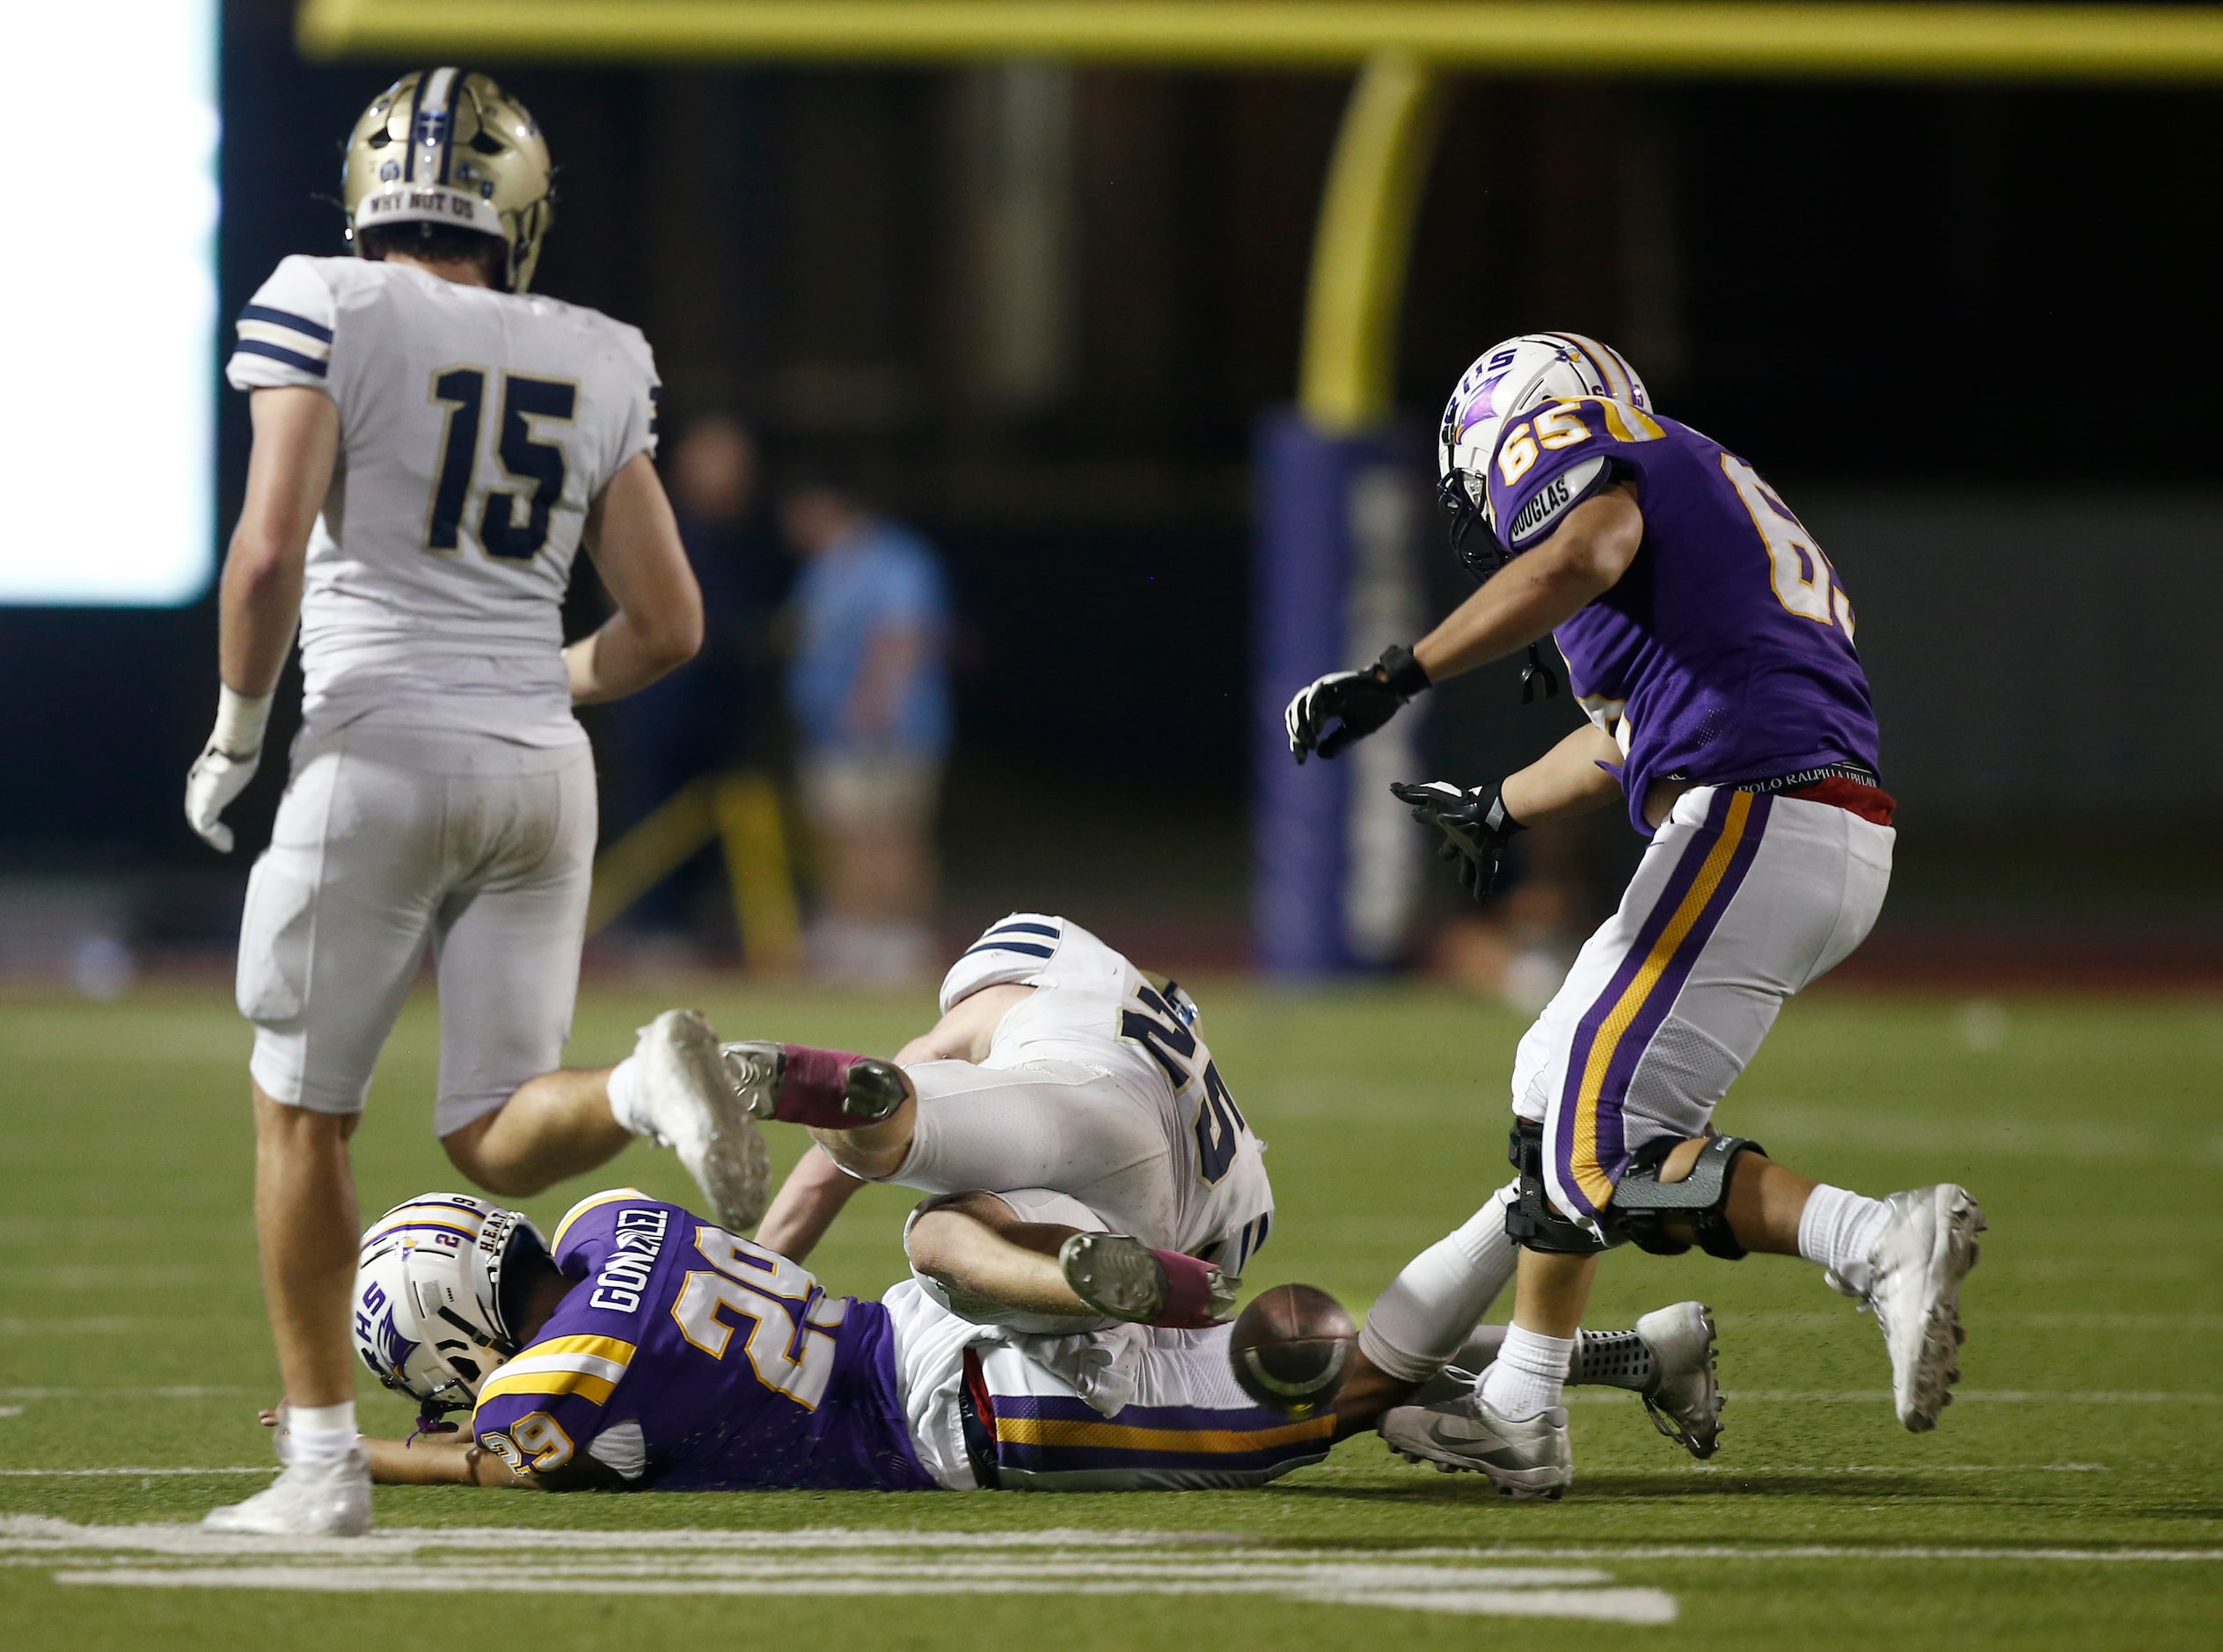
(1995, 300)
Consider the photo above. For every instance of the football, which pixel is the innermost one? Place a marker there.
(1291, 1348)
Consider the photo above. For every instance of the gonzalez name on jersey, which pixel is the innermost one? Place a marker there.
(477, 428)
(1724, 654)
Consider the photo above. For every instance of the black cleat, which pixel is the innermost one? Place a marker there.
(873, 1090)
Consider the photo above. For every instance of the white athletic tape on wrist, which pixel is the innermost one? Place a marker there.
(240, 721)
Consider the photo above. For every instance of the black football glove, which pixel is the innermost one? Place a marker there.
(1357, 702)
(1474, 824)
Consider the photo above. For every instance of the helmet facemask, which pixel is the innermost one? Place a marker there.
(441, 1297)
(1504, 382)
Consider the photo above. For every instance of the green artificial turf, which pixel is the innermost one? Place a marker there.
(131, 1334)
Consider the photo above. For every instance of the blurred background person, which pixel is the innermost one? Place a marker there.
(868, 693)
(721, 713)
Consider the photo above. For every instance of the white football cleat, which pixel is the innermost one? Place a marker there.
(696, 1110)
(1684, 1395)
(1524, 1458)
(1927, 1248)
(309, 1500)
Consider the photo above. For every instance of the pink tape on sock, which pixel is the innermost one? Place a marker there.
(1188, 1292)
(811, 1087)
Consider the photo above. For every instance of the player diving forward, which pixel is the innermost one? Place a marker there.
(1710, 642)
(432, 447)
(654, 1351)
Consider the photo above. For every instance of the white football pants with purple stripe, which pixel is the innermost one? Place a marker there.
(1740, 901)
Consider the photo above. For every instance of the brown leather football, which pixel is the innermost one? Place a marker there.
(1292, 1348)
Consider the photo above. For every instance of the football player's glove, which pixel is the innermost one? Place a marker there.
(1357, 702)
(226, 765)
(1475, 826)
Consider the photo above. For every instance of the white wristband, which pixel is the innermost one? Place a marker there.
(240, 721)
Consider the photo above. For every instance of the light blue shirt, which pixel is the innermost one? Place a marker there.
(883, 577)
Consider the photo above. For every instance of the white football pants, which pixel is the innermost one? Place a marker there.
(389, 841)
(1741, 901)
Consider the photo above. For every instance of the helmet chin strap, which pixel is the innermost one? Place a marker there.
(1536, 674)
(476, 1335)
(1538, 679)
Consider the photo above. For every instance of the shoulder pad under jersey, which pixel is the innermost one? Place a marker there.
(285, 331)
(1552, 459)
(1013, 950)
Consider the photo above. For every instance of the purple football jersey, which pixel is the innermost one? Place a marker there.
(1725, 653)
(688, 1359)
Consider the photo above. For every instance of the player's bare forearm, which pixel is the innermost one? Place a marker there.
(807, 1203)
(1540, 590)
(1566, 781)
(1367, 1393)
(634, 541)
(297, 444)
(437, 1461)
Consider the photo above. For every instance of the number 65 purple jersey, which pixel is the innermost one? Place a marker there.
(686, 1357)
(1725, 653)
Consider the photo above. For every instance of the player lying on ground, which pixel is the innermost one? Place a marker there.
(1710, 642)
(1063, 1093)
(653, 1351)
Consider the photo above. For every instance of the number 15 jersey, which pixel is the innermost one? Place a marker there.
(476, 428)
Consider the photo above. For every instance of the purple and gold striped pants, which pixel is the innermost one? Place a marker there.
(1740, 901)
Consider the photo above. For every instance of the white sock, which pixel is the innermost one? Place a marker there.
(319, 1434)
(1528, 1373)
(629, 1096)
(1430, 1308)
(1839, 1229)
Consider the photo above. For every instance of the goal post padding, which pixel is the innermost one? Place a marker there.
(1335, 579)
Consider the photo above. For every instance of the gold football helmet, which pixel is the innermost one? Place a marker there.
(449, 146)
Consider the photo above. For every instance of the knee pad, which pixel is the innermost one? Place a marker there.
(1668, 1217)
(1530, 1222)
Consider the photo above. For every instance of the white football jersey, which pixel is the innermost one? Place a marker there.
(1093, 1008)
(476, 429)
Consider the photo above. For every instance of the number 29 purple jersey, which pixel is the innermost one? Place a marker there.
(688, 1359)
(1725, 653)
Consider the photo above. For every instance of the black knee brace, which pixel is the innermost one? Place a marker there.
(1667, 1217)
(1530, 1221)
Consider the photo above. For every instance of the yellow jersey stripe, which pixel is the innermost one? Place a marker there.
(591, 1201)
(1065, 1431)
(551, 1385)
(588, 1366)
(1596, 1186)
(615, 1349)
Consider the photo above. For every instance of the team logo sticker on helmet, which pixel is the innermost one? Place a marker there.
(450, 146)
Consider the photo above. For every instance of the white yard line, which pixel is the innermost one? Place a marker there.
(1182, 1551)
(1892, 1468)
(1602, 1605)
(173, 1391)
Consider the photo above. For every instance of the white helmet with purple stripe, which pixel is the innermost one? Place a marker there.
(437, 1293)
(1507, 379)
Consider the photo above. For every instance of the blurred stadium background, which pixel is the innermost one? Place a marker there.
(1052, 309)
